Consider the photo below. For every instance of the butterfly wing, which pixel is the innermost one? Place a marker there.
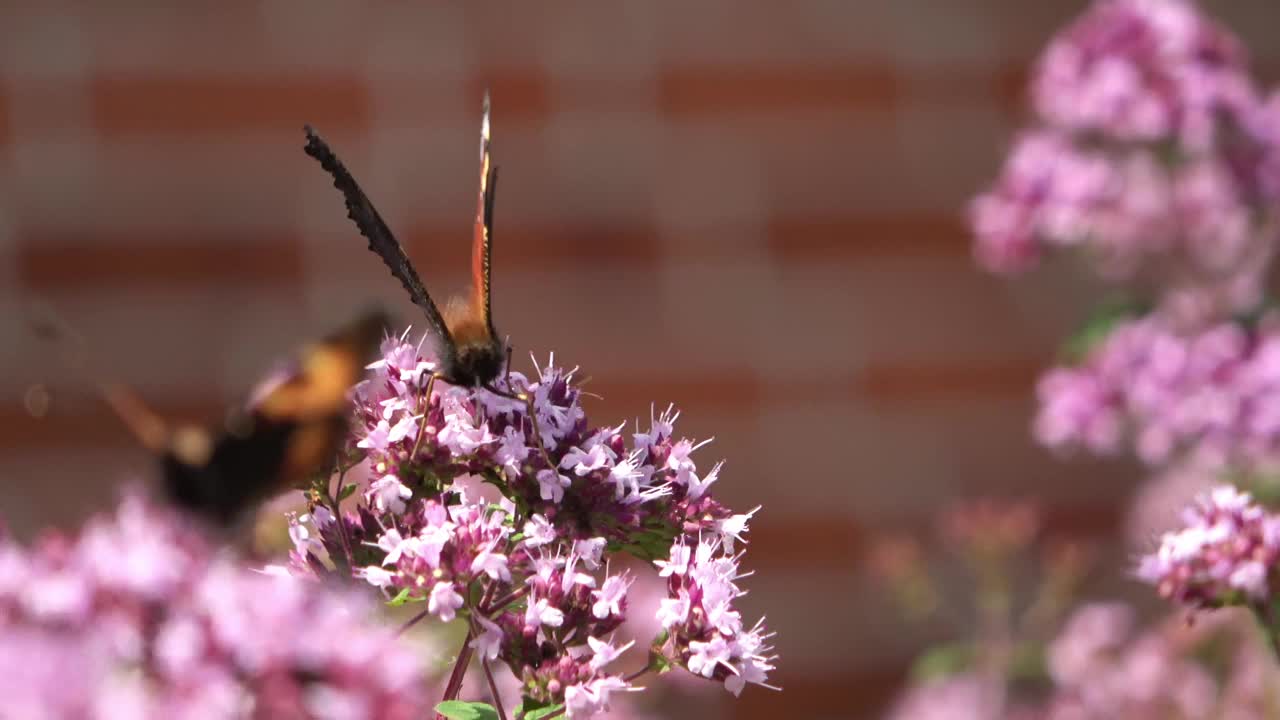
(381, 241)
(240, 470)
(292, 430)
(482, 230)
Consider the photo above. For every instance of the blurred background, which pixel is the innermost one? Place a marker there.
(751, 209)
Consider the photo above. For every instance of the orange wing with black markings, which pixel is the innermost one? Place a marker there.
(482, 230)
(290, 430)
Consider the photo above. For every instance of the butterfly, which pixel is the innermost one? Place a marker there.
(290, 429)
(469, 352)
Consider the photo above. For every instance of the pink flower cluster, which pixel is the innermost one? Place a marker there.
(704, 630)
(1143, 71)
(1155, 157)
(138, 617)
(505, 511)
(1226, 554)
(1211, 396)
(1101, 666)
(964, 696)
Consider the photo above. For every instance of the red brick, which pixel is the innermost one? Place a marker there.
(1011, 89)
(788, 542)
(185, 105)
(153, 185)
(522, 95)
(710, 174)
(728, 392)
(162, 342)
(75, 423)
(1024, 33)
(729, 90)
(818, 239)
(508, 34)
(792, 543)
(60, 486)
(812, 32)
(125, 260)
(911, 310)
(1267, 71)
(1252, 22)
(6, 132)
(229, 37)
(1002, 85)
(600, 41)
(842, 692)
(900, 384)
(890, 460)
(840, 163)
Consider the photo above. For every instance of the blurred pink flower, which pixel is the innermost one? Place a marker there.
(1209, 397)
(1225, 554)
(1159, 502)
(959, 697)
(139, 617)
(1154, 156)
(1143, 71)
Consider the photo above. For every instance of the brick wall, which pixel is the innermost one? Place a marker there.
(751, 209)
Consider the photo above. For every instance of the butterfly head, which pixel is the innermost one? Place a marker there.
(475, 362)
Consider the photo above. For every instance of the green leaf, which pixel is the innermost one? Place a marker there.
(942, 661)
(1264, 486)
(1111, 313)
(459, 710)
(659, 640)
(534, 708)
(400, 599)
(1028, 662)
(496, 480)
(651, 543)
(540, 712)
(346, 491)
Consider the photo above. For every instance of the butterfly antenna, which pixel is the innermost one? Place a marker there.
(140, 419)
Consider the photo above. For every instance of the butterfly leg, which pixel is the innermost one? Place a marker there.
(424, 404)
(537, 434)
(527, 399)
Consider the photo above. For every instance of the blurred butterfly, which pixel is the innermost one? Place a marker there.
(288, 432)
(469, 353)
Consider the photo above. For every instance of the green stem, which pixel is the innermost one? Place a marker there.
(454, 686)
(335, 507)
(493, 688)
(1269, 623)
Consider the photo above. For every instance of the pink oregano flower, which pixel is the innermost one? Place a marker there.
(1226, 553)
(1210, 395)
(505, 512)
(1154, 155)
(139, 616)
